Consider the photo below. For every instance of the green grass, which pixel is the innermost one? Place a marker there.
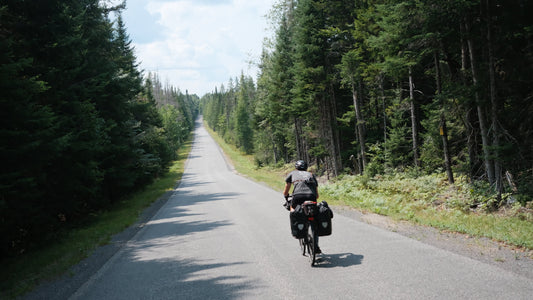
(429, 200)
(244, 164)
(509, 229)
(24, 273)
(426, 200)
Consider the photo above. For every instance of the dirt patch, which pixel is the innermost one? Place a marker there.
(513, 259)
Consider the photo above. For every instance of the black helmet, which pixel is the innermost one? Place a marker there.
(301, 165)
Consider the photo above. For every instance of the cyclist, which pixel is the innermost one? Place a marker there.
(305, 187)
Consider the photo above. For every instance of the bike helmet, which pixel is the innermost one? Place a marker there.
(301, 165)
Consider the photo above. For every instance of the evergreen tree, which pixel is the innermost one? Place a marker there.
(274, 115)
(429, 84)
(243, 128)
(77, 131)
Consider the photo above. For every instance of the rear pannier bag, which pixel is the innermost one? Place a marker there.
(310, 208)
(325, 214)
(298, 222)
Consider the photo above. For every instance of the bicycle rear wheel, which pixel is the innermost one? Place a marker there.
(311, 246)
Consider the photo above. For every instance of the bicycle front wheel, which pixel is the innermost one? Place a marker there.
(303, 245)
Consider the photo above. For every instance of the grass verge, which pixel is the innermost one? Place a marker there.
(426, 200)
(244, 164)
(429, 200)
(23, 274)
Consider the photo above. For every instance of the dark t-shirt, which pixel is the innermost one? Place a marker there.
(305, 183)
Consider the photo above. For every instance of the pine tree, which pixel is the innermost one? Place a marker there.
(243, 129)
(274, 114)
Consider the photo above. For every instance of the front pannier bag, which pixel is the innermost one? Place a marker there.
(325, 214)
(298, 222)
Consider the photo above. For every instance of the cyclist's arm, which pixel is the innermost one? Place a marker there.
(287, 189)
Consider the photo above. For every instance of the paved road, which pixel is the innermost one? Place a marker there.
(221, 236)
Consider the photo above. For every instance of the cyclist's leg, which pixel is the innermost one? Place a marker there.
(297, 200)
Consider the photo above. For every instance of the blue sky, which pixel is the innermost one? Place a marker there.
(197, 45)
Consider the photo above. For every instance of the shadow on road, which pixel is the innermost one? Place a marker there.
(339, 260)
(174, 279)
(160, 251)
(178, 222)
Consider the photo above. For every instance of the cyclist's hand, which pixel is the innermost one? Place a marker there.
(287, 204)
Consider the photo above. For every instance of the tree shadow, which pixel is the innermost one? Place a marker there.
(172, 279)
(176, 221)
(150, 266)
(155, 265)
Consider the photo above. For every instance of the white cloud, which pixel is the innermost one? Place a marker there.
(203, 43)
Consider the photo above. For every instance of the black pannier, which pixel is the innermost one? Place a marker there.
(323, 218)
(298, 222)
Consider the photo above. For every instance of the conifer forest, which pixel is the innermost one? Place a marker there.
(81, 127)
(379, 86)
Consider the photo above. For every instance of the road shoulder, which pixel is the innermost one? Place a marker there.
(513, 259)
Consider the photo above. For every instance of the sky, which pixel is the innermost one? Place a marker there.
(197, 45)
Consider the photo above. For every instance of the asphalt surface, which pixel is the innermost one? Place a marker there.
(222, 236)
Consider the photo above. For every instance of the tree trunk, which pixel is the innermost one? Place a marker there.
(285, 152)
(469, 115)
(274, 146)
(335, 131)
(471, 141)
(464, 47)
(359, 128)
(480, 112)
(494, 108)
(382, 95)
(326, 132)
(414, 126)
(443, 127)
(330, 121)
(301, 145)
